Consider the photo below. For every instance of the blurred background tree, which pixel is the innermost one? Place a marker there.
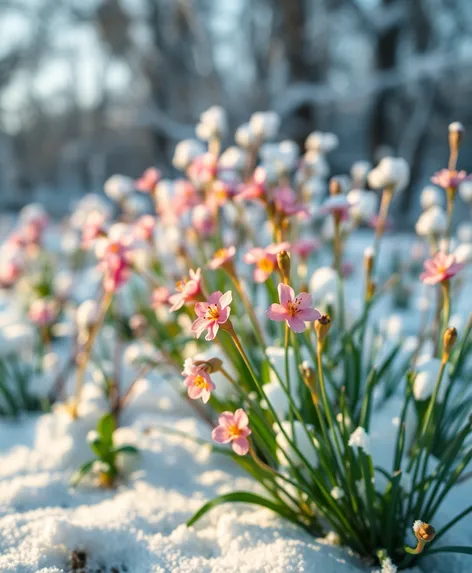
(91, 87)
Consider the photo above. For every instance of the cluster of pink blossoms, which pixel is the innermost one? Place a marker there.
(115, 255)
(188, 290)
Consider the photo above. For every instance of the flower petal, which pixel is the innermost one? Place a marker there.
(240, 446)
(296, 324)
(221, 435)
(226, 299)
(286, 294)
(277, 312)
(241, 419)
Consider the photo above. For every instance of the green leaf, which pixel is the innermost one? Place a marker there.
(105, 428)
(99, 448)
(450, 549)
(244, 497)
(81, 472)
(126, 450)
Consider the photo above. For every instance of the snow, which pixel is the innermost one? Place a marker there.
(140, 526)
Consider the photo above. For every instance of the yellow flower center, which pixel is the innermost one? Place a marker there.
(220, 254)
(213, 313)
(266, 264)
(200, 382)
(234, 431)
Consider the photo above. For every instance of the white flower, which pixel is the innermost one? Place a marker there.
(317, 163)
(304, 444)
(264, 124)
(86, 314)
(360, 439)
(33, 213)
(101, 467)
(456, 126)
(313, 187)
(140, 351)
(464, 232)
(322, 142)
(233, 158)
(185, 152)
(213, 123)
(337, 493)
(63, 283)
(245, 136)
(463, 253)
(465, 190)
(92, 436)
(432, 222)
(359, 171)
(364, 204)
(136, 204)
(430, 196)
(427, 372)
(390, 172)
(282, 155)
(118, 187)
(90, 203)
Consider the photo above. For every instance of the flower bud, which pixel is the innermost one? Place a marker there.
(449, 339)
(424, 532)
(322, 327)
(335, 186)
(283, 262)
(369, 261)
(211, 365)
(308, 376)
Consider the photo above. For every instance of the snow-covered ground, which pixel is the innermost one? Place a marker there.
(46, 525)
(140, 526)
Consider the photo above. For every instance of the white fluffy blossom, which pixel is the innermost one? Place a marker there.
(185, 152)
(432, 222)
(283, 155)
(233, 158)
(431, 195)
(264, 124)
(92, 436)
(118, 187)
(465, 190)
(427, 372)
(390, 172)
(337, 493)
(359, 171)
(86, 314)
(360, 439)
(456, 126)
(322, 142)
(363, 205)
(213, 123)
(464, 232)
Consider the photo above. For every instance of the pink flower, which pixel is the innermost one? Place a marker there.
(212, 313)
(295, 310)
(256, 188)
(222, 192)
(222, 257)
(304, 247)
(233, 428)
(449, 178)
(144, 227)
(203, 220)
(265, 260)
(440, 268)
(203, 169)
(198, 381)
(115, 255)
(160, 296)
(287, 203)
(43, 311)
(93, 227)
(337, 205)
(187, 290)
(148, 180)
